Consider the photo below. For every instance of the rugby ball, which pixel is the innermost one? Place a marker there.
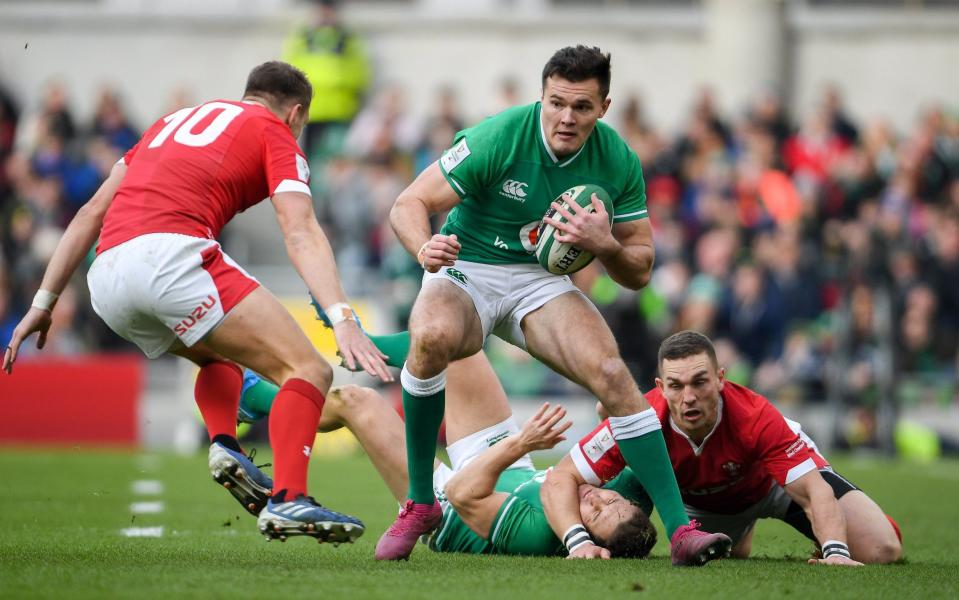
(565, 258)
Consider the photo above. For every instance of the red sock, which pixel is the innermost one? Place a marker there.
(293, 420)
(217, 393)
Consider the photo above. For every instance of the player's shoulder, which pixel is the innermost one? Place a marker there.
(657, 401)
(747, 411)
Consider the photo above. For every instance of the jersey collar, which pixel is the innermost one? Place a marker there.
(549, 151)
(697, 450)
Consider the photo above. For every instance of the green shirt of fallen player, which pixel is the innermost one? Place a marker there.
(497, 181)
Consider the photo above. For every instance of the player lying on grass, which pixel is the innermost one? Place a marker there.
(737, 459)
(491, 496)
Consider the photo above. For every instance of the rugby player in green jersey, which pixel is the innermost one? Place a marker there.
(497, 180)
(491, 495)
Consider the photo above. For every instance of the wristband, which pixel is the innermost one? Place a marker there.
(421, 255)
(45, 300)
(834, 547)
(339, 312)
(575, 537)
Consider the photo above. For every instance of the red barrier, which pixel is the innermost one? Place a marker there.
(91, 400)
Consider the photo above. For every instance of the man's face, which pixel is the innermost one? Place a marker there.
(691, 386)
(570, 112)
(603, 510)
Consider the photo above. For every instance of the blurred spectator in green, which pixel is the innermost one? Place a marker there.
(335, 61)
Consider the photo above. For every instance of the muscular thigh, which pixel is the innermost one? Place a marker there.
(568, 334)
(260, 334)
(444, 322)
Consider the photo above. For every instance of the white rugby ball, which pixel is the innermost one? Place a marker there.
(565, 258)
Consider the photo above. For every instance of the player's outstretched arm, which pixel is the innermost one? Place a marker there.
(429, 194)
(472, 490)
(311, 255)
(560, 496)
(816, 498)
(81, 233)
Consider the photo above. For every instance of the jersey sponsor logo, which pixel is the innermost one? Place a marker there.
(596, 446)
(302, 169)
(500, 243)
(457, 275)
(795, 447)
(514, 190)
(195, 315)
(529, 235)
(455, 155)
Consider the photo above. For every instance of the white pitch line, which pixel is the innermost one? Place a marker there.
(154, 532)
(147, 487)
(145, 508)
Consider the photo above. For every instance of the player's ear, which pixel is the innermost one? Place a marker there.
(721, 374)
(606, 103)
(660, 384)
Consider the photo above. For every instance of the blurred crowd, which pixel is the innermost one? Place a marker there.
(803, 244)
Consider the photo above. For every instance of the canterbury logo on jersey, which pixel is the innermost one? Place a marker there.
(515, 190)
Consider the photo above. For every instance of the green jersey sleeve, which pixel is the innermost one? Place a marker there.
(521, 528)
(631, 204)
(477, 156)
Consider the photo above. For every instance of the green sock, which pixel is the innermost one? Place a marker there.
(648, 458)
(395, 345)
(259, 397)
(423, 415)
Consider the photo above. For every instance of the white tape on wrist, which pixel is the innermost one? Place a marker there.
(339, 312)
(421, 255)
(832, 547)
(45, 300)
(575, 537)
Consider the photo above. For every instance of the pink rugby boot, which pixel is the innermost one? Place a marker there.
(413, 521)
(690, 547)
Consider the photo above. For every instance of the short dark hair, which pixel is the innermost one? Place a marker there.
(280, 84)
(633, 538)
(580, 63)
(683, 344)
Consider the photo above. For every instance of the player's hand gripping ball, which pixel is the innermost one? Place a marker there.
(565, 258)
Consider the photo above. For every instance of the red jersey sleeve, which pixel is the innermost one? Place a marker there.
(285, 166)
(597, 457)
(783, 452)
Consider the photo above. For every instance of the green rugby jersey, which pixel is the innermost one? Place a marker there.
(506, 175)
(520, 526)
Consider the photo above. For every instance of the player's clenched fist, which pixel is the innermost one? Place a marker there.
(440, 251)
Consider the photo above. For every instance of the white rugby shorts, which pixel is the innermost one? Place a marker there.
(504, 294)
(159, 287)
(463, 451)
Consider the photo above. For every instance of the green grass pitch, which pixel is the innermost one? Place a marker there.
(63, 513)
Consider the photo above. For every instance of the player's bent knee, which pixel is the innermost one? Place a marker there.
(317, 372)
(885, 552)
(431, 347)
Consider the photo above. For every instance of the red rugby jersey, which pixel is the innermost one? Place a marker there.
(751, 446)
(193, 170)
